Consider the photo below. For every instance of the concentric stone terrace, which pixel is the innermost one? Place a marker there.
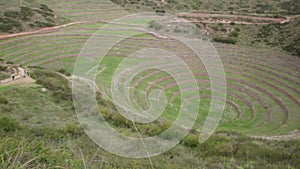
(263, 84)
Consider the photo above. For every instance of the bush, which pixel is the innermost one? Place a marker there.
(26, 13)
(228, 40)
(9, 25)
(160, 11)
(233, 34)
(9, 62)
(42, 24)
(237, 29)
(63, 71)
(45, 8)
(155, 25)
(8, 125)
(191, 141)
(3, 68)
(12, 14)
(3, 100)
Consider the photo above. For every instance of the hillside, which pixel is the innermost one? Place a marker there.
(262, 22)
(30, 15)
(253, 7)
(39, 129)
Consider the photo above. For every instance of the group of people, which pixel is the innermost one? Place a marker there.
(26, 73)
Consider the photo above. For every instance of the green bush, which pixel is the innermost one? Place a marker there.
(10, 62)
(3, 68)
(237, 29)
(191, 141)
(155, 25)
(233, 34)
(26, 13)
(8, 25)
(12, 14)
(3, 100)
(63, 71)
(40, 24)
(228, 40)
(45, 8)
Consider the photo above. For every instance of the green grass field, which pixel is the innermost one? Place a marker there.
(41, 130)
(262, 90)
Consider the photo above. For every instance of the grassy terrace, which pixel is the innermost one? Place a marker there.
(41, 130)
(263, 94)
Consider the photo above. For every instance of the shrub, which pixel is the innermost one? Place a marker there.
(155, 26)
(45, 8)
(233, 34)
(8, 25)
(58, 85)
(3, 100)
(237, 29)
(26, 13)
(3, 68)
(9, 62)
(191, 141)
(63, 71)
(160, 11)
(40, 24)
(12, 14)
(228, 40)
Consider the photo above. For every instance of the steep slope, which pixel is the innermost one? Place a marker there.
(19, 16)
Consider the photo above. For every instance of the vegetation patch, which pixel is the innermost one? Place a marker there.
(58, 85)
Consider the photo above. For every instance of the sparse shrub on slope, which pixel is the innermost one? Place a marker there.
(58, 85)
(25, 18)
(285, 35)
(228, 40)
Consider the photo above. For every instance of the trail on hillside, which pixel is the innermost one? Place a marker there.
(43, 30)
(201, 15)
(293, 135)
(20, 77)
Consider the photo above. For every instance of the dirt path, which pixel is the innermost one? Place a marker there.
(293, 135)
(20, 77)
(44, 30)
